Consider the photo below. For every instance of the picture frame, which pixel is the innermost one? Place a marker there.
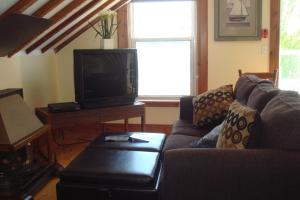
(237, 20)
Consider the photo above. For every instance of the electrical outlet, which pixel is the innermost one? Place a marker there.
(264, 50)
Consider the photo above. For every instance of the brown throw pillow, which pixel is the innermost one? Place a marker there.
(241, 123)
(210, 108)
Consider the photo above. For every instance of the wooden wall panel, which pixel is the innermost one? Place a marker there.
(202, 45)
(123, 30)
(274, 35)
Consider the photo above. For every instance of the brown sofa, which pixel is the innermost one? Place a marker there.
(271, 171)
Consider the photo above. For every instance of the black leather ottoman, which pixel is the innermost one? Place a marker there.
(99, 172)
(155, 144)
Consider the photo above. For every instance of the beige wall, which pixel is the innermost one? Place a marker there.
(49, 78)
(10, 76)
(34, 73)
(64, 64)
(38, 79)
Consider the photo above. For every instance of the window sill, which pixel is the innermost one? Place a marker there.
(161, 103)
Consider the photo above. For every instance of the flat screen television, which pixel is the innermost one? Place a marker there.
(105, 77)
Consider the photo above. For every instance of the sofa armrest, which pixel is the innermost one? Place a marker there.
(186, 108)
(230, 174)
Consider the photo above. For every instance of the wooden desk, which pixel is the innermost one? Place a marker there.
(92, 116)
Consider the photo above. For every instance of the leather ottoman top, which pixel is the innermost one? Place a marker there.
(114, 168)
(155, 144)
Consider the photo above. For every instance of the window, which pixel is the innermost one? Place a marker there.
(289, 61)
(164, 34)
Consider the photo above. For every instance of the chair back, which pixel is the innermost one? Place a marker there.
(272, 76)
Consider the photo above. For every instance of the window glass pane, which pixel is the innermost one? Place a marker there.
(289, 60)
(164, 67)
(162, 19)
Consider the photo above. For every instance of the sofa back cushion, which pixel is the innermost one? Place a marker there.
(244, 87)
(261, 95)
(280, 122)
(186, 108)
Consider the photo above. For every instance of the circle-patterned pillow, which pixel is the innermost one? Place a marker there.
(240, 122)
(210, 108)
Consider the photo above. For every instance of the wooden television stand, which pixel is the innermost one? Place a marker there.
(94, 116)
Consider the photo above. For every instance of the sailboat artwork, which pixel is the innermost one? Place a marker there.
(237, 20)
(238, 13)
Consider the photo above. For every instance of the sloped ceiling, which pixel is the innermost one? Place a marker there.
(70, 19)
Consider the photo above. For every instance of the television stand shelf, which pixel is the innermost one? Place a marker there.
(92, 116)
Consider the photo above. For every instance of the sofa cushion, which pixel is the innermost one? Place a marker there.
(210, 108)
(183, 127)
(179, 141)
(281, 122)
(186, 108)
(261, 95)
(113, 167)
(209, 140)
(244, 87)
(240, 123)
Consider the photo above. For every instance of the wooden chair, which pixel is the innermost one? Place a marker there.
(272, 76)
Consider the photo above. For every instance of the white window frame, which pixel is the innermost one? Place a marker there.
(193, 64)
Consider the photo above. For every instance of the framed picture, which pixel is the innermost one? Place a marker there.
(237, 20)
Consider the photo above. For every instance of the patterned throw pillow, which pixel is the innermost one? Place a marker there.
(210, 108)
(240, 127)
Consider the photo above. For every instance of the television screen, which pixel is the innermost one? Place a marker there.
(105, 77)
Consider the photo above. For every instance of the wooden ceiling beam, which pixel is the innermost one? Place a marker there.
(66, 10)
(74, 36)
(86, 27)
(46, 8)
(78, 24)
(18, 7)
(55, 18)
(120, 5)
(62, 25)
